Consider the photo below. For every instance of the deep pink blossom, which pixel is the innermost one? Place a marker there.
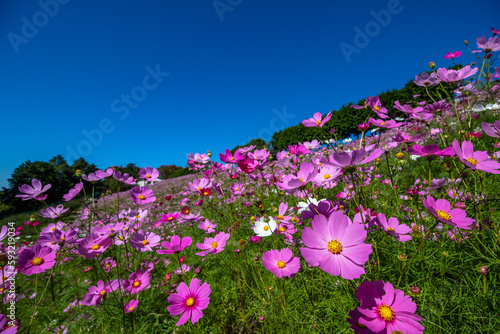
(144, 241)
(441, 209)
(36, 259)
(386, 310)
(175, 245)
(142, 195)
(73, 192)
(392, 227)
(231, 158)
(350, 161)
(213, 245)
(189, 301)
(317, 120)
(431, 150)
(336, 245)
(137, 282)
(149, 174)
(33, 191)
(97, 293)
(281, 262)
(450, 55)
(475, 160)
(305, 175)
(94, 245)
(390, 124)
(131, 306)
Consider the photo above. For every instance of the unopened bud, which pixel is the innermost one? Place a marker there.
(483, 270)
(209, 154)
(415, 290)
(402, 257)
(432, 64)
(460, 205)
(78, 173)
(466, 42)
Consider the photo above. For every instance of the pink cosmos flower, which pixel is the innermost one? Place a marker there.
(425, 80)
(492, 130)
(52, 212)
(385, 310)
(131, 306)
(248, 165)
(189, 301)
(94, 245)
(125, 178)
(431, 150)
(453, 75)
(441, 209)
(231, 158)
(73, 192)
(144, 241)
(197, 185)
(392, 227)
(4, 232)
(475, 160)
(450, 55)
(213, 245)
(316, 120)
(175, 245)
(349, 161)
(305, 175)
(97, 293)
(198, 158)
(36, 259)
(107, 264)
(169, 217)
(390, 124)
(149, 174)
(336, 245)
(137, 281)
(492, 44)
(183, 269)
(5, 329)
(207, 226)
(142, 195)
(281, 262)
(375, 104)
(30, 192)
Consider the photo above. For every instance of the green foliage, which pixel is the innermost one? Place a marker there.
(166, 171)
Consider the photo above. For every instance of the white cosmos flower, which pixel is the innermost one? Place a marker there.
(263, 228)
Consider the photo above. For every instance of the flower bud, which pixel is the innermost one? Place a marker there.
(256, 259)
(483, 270)
(237, 250)
(402, 257)
(466, 42)
(432, 64)
(460, 205)
(78, 173)
(261, 318)
(415, 290)
(400, 156)
(209, 154)
(197, 270)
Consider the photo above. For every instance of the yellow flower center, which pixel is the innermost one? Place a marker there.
(282, 229)
(145, 242)
(148, 176)
(95, 247)
(280, 217)
(108, 265)
(63, 238)
(334, 246)
(53, 229)
(136, 284)
(383, 123)
(386, 312)
(130, 309)
(327, 176)
(301, 180)
(121, 237)
(37, 261)
(190, 301)
(142, 197)
(415, 228)
(103, 292)
(443, 215)
(236, 189)
(390, 229)
(138, 216)
(281, 264)
(214, 244)
(232, 158)
(472, 161)
(265, 228)
(377, 108)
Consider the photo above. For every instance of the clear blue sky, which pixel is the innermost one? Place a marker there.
(235, 72)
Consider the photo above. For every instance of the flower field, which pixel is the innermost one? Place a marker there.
(396, 231)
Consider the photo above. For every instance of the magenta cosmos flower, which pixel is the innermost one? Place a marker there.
(316, 120)
(475, 160)
(131, 306)
(441, 209)
(142, 195)
(52, 212)
(213, 245)
(231, 158)
(305, 175)
(385, 310)
(431, 150)
(281, 262)
(30, 192)
(189, 301)
(175, 245)
(144, 241)
(336, 245)
(492, 130)
(36, 259)
(137, 282)
(97, 293)
(149, 174)
(94, 245)
(450, 55)
(453, 75)
(349, 161)
(73, 192)
(392, 227)
(390, 124)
